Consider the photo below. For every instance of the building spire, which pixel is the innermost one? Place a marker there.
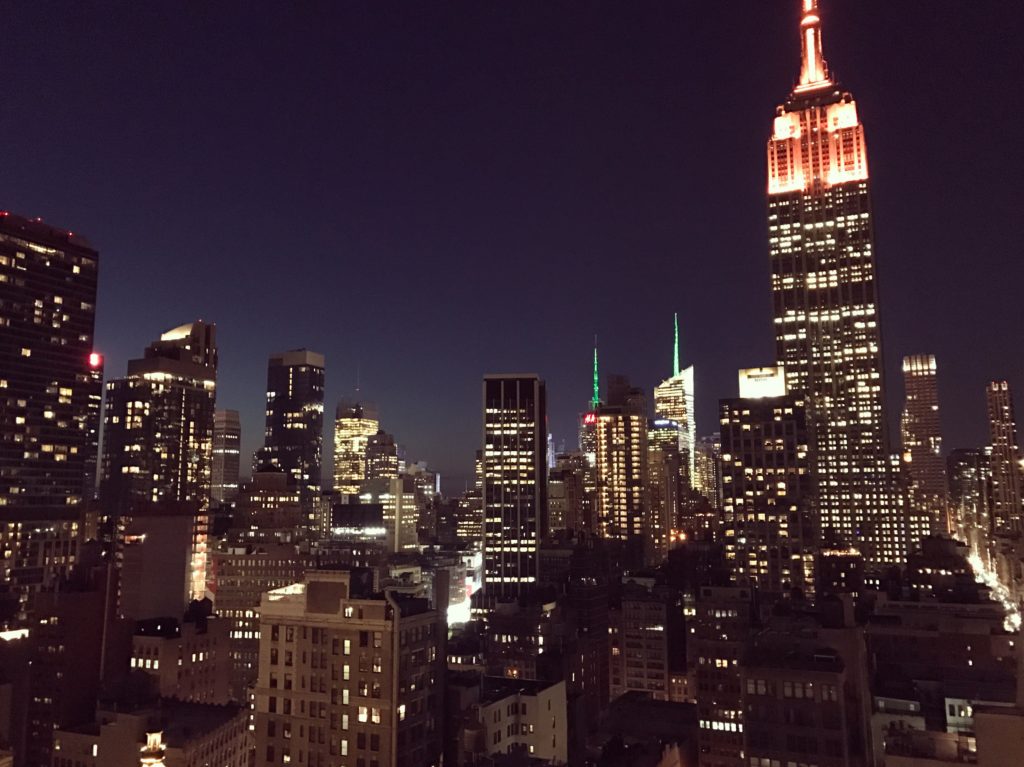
(597, 399)
(675, 345)
(813, 69)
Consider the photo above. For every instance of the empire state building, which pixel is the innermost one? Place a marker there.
(825, 298)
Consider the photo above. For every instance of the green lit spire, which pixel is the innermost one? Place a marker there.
(597, 398)
(675, 347)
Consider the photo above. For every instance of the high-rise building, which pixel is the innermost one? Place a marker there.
(158, 434)
(1007, 513)
(384, 458)
(514, 481)
(673, 399)
(970, 495)
(227, 448)
(373, 666)
(768, 519)
(354, 424)
(825, 298)
(708, 468)
(295, 418)
(622, 501)
(50, 391)
(667, 482)
(924, 465)
(400, 502)
(568, 501)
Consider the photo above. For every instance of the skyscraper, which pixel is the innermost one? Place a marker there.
(384, 458)
(673, 399)
(708, 466)
(514, 481)
(50, 389)
(158, 433)
(354, 424)
(1005, 469)
(825, 297)
(295, 418)
(922, 449)
(622, 494)
(227, 444)
(768, 514)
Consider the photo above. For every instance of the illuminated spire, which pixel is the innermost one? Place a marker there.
(675, 347)
(813, 69)
(597, 399)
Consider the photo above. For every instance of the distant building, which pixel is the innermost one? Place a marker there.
(970, 495)
(295, 419)
(269, 508)
(354, 424)
(384, 458)
(568, 501)
(227, 449)
(1005, 470)
(647, 642)
(622, 504)
(708, 468)
(923, 463)
(668, 485)
(674, 400)
(400, 502)
(50, 393)
(768, 506)
(158, 434)
(373, 665)
(514, 481)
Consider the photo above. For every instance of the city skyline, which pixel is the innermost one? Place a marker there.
(670, 209)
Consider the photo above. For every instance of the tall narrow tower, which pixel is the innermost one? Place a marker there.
(825, 296)
(1007, 507)
(923, 464)
(673, 399)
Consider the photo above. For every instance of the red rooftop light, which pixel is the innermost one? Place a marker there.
(95, 360)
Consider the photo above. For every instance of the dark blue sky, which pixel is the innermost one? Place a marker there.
(432, 191)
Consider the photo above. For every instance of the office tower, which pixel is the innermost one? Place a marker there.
(667, 485)
(622, 504)
(708, 468)
(227, 444)
(400, 502)
(768, 515)
(50, 387)
(295, 418)
(588, 420)
(1004, 461)
(825, 299)
(514, 481)
(354, 424)
(373, 666)
(721, 629)
(158, 434)
(924, 466)
(269, 508)
(673, 400)
(970, 494)
(383, 456)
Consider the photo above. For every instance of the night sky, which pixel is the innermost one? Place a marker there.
(428, 191)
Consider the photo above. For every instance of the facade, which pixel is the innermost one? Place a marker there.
(646, 641)
(269, 507)
(188, 659)
(400, 502)
(156, 560)
(514, 481)
(158, 434)
(622, 500)
(354, 424)
(50, 391)
(708, 468)
(383, 456)
(667, 485)
(373, 668)
(673, 400)
(825, 297)
(295, 419)
(721, 628)
(768, 499)
(568, 502)
(227, 450)
(1007, 512)
(923, 464)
